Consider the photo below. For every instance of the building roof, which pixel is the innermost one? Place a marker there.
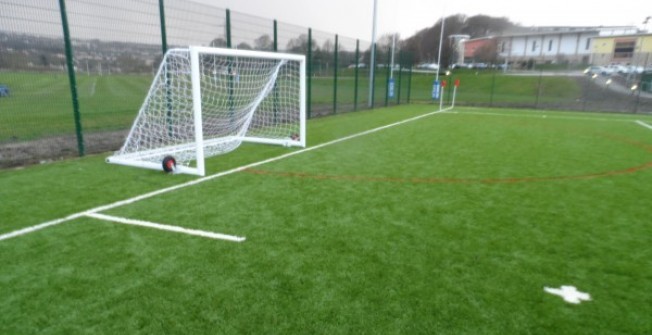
(625, 35)
(556, 30)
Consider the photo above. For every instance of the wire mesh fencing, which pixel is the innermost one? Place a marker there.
(74, 73)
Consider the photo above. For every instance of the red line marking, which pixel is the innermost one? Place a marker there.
(509, 180)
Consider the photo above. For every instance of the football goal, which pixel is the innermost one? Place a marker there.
(207, 101)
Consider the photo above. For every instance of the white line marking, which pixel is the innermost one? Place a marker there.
(547, 116)
(159, 226)
(569, 293)
(644, 124)
(116, 204)
(92, 92)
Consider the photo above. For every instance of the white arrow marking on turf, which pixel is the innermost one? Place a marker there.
(569, 293)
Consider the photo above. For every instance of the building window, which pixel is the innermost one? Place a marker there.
(534, 45)
(588, 44)
(550, 45)
(503, 46)
(624, 49)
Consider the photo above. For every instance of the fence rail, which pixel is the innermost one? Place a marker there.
(73, 73)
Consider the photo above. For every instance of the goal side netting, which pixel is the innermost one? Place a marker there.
(205, 102)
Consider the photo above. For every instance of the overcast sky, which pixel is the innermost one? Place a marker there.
(353, 18)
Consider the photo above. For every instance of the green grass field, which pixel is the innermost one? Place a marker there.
(40, 105)
(449, 224)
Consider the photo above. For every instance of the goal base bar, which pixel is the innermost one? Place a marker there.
(153, 166)
(284, 142)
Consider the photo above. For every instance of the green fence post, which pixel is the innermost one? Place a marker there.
(387, 66)
(71, 78)
(164, 48)
(230, 69)
(276, 98)
(410, 84)
(398, 87)
(536, 105)
(357, 65)
(164, 38)
(335, 77)
(228, 28)
(493, 86)
(275, 45)
(309, 75)
(373, 78)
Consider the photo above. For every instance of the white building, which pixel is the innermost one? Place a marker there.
(553, 44)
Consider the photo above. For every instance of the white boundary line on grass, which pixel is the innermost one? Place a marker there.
(644, 124)
(547, 116)
(176, 229)
(116, 204)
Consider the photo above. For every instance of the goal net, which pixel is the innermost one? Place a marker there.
(207, 101)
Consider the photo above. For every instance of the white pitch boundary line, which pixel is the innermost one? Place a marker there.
(644, 124)
(546, 116)
(165, 227)
(129, 201)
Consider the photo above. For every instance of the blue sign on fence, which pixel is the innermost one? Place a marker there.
(435, 90)
(391, 87)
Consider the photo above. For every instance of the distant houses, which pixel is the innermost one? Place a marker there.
(559, 45)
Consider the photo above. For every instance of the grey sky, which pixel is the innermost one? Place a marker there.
(195, 23)
(353, 17)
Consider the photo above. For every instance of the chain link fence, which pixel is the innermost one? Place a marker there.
(73, 73)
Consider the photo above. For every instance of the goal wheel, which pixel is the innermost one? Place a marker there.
(169, 164)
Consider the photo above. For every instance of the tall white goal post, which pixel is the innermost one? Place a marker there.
(207, 101)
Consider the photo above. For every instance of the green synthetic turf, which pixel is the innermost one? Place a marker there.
(451, 224)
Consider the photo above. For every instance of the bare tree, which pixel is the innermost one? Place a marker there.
(263, 42)
(218, 43)
(243, 46)
(300, 44)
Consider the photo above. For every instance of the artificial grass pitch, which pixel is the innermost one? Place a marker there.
(452, 224)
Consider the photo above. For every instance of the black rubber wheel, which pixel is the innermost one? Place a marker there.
(169, 164)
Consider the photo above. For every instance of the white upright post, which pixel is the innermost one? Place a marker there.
(441, 38)
(302, 108)
(196, 105)
(441, 97)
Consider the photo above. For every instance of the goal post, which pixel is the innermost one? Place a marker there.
(206, 101)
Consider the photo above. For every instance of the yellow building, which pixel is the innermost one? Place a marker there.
(622, 49)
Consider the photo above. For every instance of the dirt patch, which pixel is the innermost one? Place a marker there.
(13, 154)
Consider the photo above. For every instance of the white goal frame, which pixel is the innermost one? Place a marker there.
(130, 159)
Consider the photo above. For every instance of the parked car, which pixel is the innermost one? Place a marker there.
(635, 69)
(428, 66)
(600, 70)
(4, 91)
(617, 68)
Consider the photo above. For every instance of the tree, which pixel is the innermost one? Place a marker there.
(218, 43)
(300, 44)
(384, 43)
(484, 25)
(243, 46)
(264, 42)
(424, 45)
(328, 46)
